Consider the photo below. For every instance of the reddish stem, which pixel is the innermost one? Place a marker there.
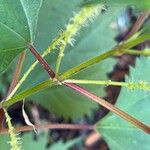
(89, 94)
(42, 62)
(17, 72)
(14, 82)
(139, 22)
(52, 126)
(109, 106)
(1, 119)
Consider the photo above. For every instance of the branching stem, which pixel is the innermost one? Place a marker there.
(130, 85)
(109, 106)
(90, 95)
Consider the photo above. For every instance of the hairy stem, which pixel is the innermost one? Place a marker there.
(52, 126)
(79, 20)
(14, 139)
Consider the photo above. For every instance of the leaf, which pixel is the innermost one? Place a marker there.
(29, 143)
(64, 146)
(89, 43)
(18, 19)
(145, 4)
(4, 139)
(119, 134)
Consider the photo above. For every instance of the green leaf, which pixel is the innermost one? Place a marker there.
(89, 43)
(4, 139)
(119, 134)
(28, 142)
(18, 19)
(64, 146)
(145, 4)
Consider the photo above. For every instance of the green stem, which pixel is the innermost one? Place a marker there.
(97, 82)
(80, 90)
(56, 43)
(27, 93)
(71, 72)
(145, 52)
(72, 28)
(87, 64)
(59, 59)
(131, 85)
(133, 42)
(82, 66)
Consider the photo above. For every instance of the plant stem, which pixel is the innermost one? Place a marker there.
(87, 94)
(137, 52)
(81, 18)
(131, 43)
(87, 64)
(139, 22)
(67, 74)
(14, 82)
(108, 54)
(96, 82)
(131, 85)
(14, 139)
(1, 118)
(109, 106)
(27, 93)
(42, 62)
(52, 126)
(16, 73)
